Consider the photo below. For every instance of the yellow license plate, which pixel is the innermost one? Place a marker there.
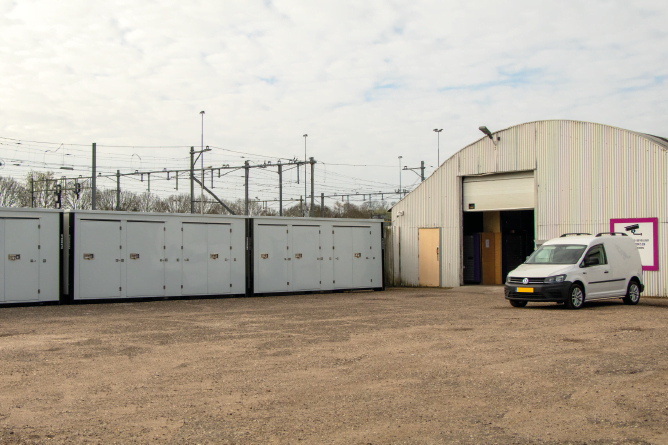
(525, 289)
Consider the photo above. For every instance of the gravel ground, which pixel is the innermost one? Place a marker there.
(400, 366)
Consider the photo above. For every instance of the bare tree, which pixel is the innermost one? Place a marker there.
(11, 192)
(70, 200)
(40, 188)
(146, 202)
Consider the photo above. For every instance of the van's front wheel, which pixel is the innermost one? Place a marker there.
(576, 297)
(632, 293)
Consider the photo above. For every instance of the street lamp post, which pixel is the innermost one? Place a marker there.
(139, 157)
(400, 177)
(201, 190)
(305, 159)
(438, 141)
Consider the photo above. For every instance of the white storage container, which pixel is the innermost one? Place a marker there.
(31, 255)
(316, 254)
(137, 255)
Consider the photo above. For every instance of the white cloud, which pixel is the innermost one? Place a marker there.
(367, 80)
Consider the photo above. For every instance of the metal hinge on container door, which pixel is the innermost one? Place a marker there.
(163, 287)
(39, 226)
(165, 229)
(230, 232)
(39, 290)
(120, 288)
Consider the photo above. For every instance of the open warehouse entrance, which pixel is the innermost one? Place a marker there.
(565, 173)
(498, 225)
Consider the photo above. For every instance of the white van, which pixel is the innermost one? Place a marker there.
(577, 267)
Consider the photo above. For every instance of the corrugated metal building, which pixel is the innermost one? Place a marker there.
(526, 184)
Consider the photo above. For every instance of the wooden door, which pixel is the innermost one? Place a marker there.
(488, 241)
(428, 257)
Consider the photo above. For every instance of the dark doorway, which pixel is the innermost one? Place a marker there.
(472, 227)
(517, 232)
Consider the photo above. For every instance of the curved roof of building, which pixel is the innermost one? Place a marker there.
(661, 141)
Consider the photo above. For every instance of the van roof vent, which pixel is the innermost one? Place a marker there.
(611, 234)
(574, 234)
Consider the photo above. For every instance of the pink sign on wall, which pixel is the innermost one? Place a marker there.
(645, 232)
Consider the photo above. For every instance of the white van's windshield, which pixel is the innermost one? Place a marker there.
(557, 254)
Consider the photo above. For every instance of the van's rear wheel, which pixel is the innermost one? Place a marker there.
(632, 293)
(517, 303)
(576, 297)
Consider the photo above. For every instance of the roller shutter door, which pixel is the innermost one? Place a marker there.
(503, 191)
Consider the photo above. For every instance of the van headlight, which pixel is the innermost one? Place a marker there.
(555, 279)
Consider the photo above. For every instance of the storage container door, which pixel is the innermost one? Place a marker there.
(272, 274)
(194, 259)
(2, 255)
(343, 258)
(306, 257)
(219, 258)
(146, 256)
(362, 257)
(99, 261)
(21, 260)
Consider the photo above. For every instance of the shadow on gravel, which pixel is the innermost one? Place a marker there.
(659, 304)
(593, 305)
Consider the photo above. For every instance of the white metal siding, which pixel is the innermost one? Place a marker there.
(585, 174)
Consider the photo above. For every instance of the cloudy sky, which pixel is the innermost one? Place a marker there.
(368, 81)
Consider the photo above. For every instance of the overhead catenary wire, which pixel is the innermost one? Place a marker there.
(27, 154)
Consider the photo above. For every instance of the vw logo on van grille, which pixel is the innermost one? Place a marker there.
(525, 281)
